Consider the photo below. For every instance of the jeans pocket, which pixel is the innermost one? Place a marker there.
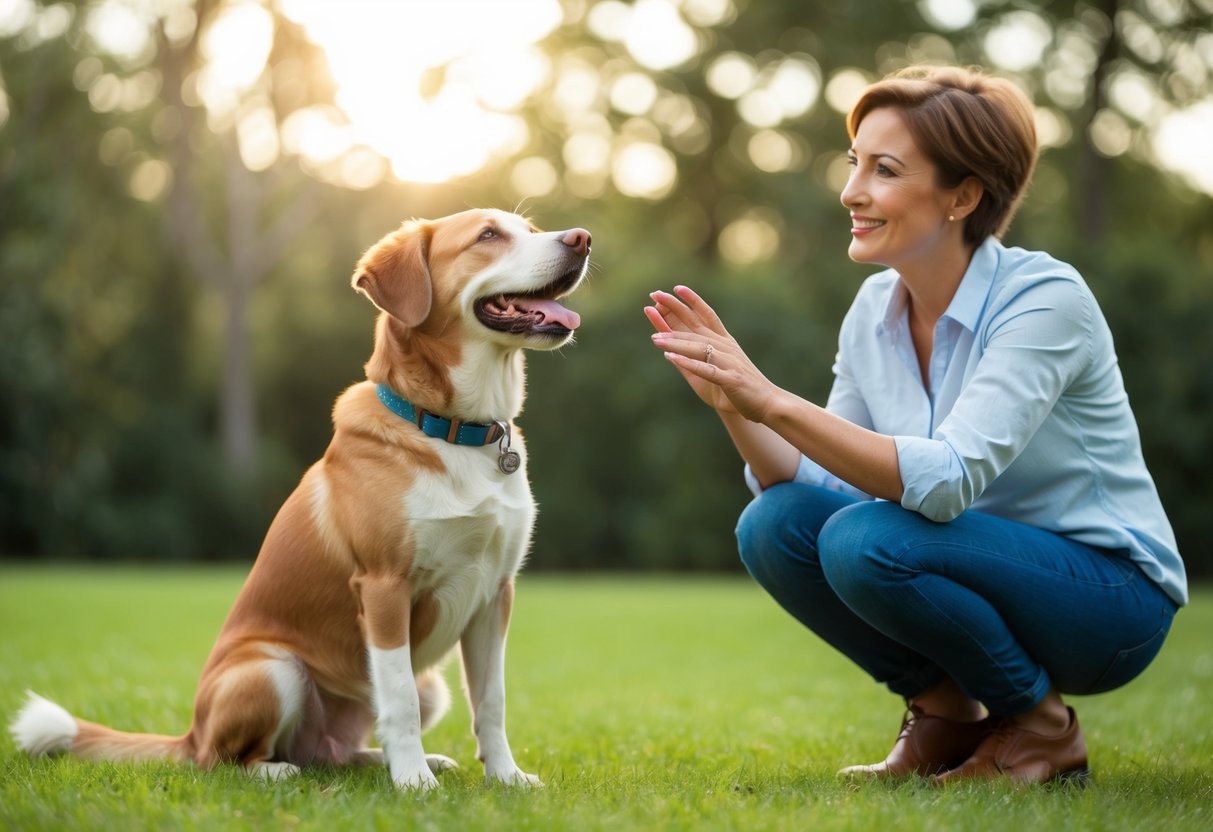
(1128, 664)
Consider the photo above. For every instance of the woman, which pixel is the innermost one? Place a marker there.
(969, 518)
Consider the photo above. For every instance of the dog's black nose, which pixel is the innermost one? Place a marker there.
(577, 239)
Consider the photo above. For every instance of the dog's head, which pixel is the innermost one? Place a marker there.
(492, 273)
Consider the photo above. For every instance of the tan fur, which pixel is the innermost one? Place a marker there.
(340, 572)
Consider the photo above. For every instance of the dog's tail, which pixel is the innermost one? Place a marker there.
(435, 696)
(42, 727)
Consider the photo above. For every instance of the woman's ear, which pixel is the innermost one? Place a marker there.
(395, 274)
(967, 196)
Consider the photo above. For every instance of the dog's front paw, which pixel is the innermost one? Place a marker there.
(415, 781)
(514, 777)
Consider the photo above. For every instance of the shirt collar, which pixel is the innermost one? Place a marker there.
(970, 298)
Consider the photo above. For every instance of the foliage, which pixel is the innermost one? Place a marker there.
(115, 438)
(686, 703)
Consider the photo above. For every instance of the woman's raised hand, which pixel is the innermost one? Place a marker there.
(695, 341)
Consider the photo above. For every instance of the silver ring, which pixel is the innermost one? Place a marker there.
(707, 353)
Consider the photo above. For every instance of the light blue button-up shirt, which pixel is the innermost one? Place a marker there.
(1026, 415)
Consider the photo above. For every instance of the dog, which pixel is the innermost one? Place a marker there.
(402, 542)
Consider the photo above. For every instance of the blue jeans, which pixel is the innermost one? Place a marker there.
(1005, 610)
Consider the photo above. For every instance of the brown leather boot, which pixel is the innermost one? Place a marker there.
(1025, 757)
(926, 745)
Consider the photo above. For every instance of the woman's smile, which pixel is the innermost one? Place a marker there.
(864, 225)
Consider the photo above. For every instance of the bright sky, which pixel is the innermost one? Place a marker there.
(381, 51)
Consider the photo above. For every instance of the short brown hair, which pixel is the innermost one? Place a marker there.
(968, 124)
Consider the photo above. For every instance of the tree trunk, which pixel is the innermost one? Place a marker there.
(1097, 169)
(243, 198)
(238, 423)
(232, 261)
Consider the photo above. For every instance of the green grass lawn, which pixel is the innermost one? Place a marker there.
(643, 703)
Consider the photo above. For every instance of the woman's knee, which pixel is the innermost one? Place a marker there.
(780, 526)
(859, 544)
(761, 529)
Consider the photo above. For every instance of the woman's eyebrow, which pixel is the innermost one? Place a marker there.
(880, 156)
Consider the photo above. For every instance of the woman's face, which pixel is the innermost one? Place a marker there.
(899, 213)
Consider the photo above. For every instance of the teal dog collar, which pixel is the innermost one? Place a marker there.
(453, 430)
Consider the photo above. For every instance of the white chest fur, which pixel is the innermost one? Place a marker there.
(471, 526)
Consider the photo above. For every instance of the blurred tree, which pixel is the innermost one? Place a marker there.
(701, 141)
(103, 449)
(1111, 69)
(232, 212)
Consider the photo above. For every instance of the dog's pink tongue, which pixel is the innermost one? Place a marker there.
(554, 312)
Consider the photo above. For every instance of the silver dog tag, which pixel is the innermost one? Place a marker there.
(508, 460)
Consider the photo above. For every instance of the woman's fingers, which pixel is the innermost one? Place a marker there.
(655, 317)
(695, 366)
(676, 312)
(668, 314)
(700, 307)
(688, 345)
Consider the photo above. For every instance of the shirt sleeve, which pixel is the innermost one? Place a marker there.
(1036, 345)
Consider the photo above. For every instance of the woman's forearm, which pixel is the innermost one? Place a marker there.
(863, 458)
(772, 459)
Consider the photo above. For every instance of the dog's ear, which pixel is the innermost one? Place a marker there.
(395, 274)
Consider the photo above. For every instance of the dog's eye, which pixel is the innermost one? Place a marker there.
(487, 234)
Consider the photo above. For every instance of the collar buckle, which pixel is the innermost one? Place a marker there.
(454, 431)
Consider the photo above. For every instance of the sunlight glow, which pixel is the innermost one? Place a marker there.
(796, 84)
(653, 31)
(15, 16)
(115, 146)
(782, 89)
(1140, 36)
(774, 152)
(587, 152)
(1052, 128)
(731, 75)
(123, 28)
(428, 90)
(844, 88)
(1018, 40)
(1110, 133)
(533, 177)
(380, 52)
(1070, 65)
(633, 93)
(761, 108)
(1181, 144)
(709, 12)
(645, 170)
(257, 139)
(948, 15)
(237, 44)
(751, 238)
(150, 180)
(1134, 95)
(658, 37)
(576, 88)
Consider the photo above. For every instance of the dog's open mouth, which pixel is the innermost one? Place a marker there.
(532, 313)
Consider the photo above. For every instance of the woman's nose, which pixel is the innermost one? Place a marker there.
(852, 191)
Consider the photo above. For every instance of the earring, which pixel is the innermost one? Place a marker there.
(951, 218)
